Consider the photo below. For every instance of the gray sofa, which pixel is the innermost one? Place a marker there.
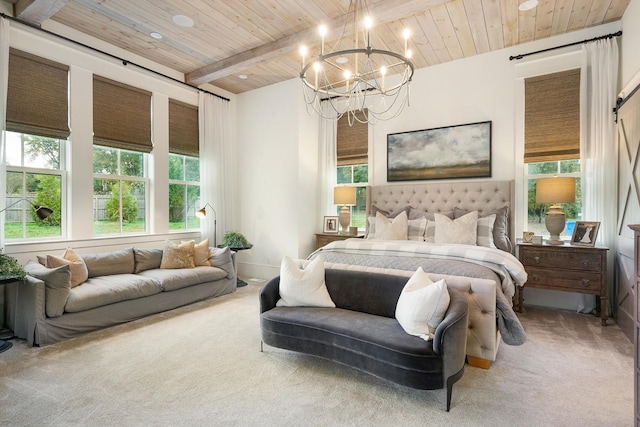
(362, 331)
(123, 285)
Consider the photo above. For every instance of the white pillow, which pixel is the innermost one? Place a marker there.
(395, 229)
(463, 230)
(303, 288)
(422, 305)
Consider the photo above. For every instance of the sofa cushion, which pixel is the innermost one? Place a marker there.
(200, 252)
(303, 287)
(178, 255)
(79, 272)
(146, 259)
(107, 263)
(57, 282)
(104, 290)
(177, 278)
(422, 305)
(221, 258)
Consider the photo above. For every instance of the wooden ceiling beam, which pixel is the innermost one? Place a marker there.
(383, 12)
(37, 11)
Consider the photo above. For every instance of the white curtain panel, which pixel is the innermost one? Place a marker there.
(598, 151)
(4, 82)
(216, 173)
(328, 162)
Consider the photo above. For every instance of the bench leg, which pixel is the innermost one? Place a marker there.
(450, 381)
(478, 362)
(261, 347)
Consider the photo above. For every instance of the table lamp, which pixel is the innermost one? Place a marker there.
(555, 190)
(345, 196)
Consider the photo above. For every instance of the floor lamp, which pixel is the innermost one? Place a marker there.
(202, 214)
(42, 212)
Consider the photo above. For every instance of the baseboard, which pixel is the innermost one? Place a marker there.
(258, 271)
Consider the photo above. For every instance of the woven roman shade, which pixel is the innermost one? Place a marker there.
(121, 115)
(552, 117)
(37, 96)
(352, 142)
(183, 129)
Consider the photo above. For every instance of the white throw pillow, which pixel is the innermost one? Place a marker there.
(303, 288)
(391, 229)
(422, 305)
(463, 230)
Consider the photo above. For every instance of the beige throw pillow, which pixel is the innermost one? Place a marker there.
(391, 229)
(463, 230)
(79, 272)
(200, 253)
(178, 255)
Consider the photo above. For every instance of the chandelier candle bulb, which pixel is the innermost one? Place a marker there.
(323, 32)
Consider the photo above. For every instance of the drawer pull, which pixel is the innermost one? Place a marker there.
(536, 260)
(585, 262)
(585, 283)
(536, 278)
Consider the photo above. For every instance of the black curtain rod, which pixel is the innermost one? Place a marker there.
(125, 62)
(607, 36)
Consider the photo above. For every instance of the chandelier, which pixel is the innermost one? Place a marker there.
(365, 83)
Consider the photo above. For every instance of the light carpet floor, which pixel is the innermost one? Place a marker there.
(201, 365)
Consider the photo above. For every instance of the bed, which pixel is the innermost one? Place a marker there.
(486, 271)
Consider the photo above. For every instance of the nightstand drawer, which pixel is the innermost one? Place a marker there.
(571, 280)
(568, 260)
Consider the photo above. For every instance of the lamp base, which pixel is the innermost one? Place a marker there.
(345, 219)
(554, 222)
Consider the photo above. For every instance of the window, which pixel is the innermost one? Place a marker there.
(119, 191)
(352, 145)
(552, 142)
(34, 174)
(184, 165)
(36, 136)
(184, 191)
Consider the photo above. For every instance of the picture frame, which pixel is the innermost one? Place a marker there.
(450, 152)
(330, 225)
(585, 233)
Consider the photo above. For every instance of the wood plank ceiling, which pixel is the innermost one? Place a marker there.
(260, 39)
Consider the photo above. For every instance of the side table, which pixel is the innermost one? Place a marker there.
(239, 282)
(326, 238)
(5, 333)
(580, 269)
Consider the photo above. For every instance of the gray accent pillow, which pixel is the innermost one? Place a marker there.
(221, 258)
(500, 227)
(147, 259)
(107, 263)
(57, 282)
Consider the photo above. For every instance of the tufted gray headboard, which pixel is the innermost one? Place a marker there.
(483, 196)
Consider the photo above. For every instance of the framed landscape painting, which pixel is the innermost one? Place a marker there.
(460, 151)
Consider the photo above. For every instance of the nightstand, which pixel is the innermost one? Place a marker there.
(567, 268)
(326, 238)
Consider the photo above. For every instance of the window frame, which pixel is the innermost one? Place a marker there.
(184, 182)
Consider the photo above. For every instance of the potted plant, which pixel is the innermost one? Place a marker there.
(235, 240)
(10, 268)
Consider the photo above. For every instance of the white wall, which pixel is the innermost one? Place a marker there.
(629, 52)
(464, 91)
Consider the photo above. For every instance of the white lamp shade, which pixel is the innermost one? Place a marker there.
(556, 190)
(344, 195)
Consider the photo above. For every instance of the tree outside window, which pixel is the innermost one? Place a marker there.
(119, 191)
(184, 192)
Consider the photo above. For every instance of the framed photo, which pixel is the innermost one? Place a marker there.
(460, 151)
(330, 224)
(585, 233)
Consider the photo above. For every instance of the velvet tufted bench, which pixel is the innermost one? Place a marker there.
(362, 331)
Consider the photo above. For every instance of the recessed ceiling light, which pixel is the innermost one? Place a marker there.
(528, 5)
(182, 20)
(156, 36)
(243, 76)
(342, 60)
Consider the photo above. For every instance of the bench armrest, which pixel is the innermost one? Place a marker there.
(450, 339)
(270, 294)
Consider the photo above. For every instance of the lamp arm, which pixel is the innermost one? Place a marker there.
(15, 203)
(215, 214)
